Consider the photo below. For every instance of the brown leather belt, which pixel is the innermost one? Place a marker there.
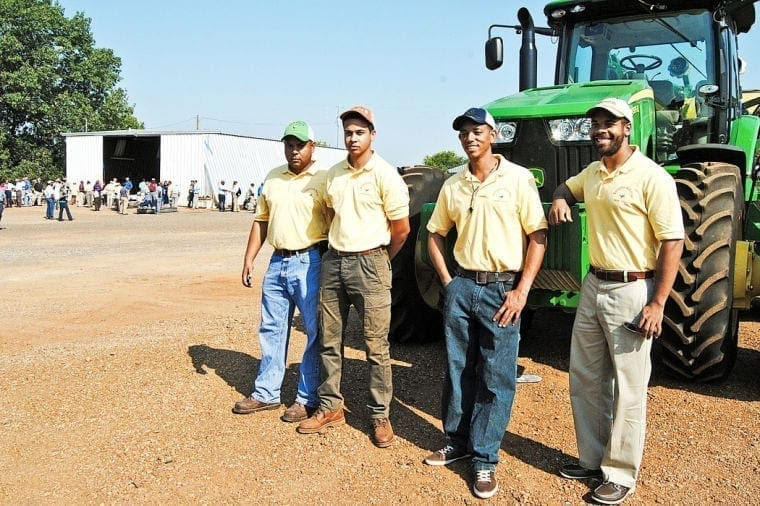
(483, 278)
(620, 276)
(286, 253)
(357, 253)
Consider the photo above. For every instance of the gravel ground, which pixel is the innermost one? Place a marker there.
(127, 339)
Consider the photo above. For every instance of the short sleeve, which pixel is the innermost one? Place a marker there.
(532, 217)
(262, 206)
(395, 195)
(576, 183)
(440, 222)
(663, 207)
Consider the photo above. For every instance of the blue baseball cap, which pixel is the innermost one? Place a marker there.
(476, 114)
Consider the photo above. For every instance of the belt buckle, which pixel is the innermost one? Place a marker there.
(481, 278)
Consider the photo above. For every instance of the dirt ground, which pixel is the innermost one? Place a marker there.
(126, 340)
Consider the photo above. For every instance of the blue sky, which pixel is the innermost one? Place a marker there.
(250, 67)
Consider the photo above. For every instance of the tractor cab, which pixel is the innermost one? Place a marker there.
(685, 52)
(675, 54)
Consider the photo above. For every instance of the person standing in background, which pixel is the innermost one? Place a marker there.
(222, 196)
(235, 196)
(63, 202)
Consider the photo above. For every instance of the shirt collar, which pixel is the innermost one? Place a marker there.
(627, 166)
(311, 169)
(367, 167)
(466, 175)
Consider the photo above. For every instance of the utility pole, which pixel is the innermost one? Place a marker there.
(337, 126)
(197, 122)
(85, 125)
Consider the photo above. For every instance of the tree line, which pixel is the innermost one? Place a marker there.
(53, 79)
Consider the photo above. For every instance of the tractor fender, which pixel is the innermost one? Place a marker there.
(696, 153)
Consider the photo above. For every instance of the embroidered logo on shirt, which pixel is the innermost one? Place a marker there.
(502, 195)
(622, 194)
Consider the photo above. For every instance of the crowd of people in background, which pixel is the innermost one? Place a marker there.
(58, 194)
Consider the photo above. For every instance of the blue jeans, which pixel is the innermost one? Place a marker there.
(482, 369)
(289, 282)
(50, 208)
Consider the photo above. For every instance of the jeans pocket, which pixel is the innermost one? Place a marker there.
(504, 287)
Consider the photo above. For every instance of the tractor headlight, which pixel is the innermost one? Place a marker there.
(570, 129)
(505, 132)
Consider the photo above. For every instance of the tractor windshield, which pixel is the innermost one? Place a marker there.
(673, 53)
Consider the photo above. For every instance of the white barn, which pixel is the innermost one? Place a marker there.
(177, 156)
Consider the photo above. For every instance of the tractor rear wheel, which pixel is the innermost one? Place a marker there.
(411, 319)
(699, 337)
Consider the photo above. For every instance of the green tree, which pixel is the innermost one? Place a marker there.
(444, 160)
(52, 80)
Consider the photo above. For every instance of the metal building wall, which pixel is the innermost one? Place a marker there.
(182, 160)
(242, 159)
(248, 160)
(84, 158)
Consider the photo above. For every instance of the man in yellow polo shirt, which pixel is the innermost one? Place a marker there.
(635, 243)
(495, 207)
(291, 214)
(370, 202)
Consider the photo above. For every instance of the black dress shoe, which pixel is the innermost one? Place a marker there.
(576, 472)
(610, 493)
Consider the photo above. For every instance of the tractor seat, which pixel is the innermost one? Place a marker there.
(663, 92)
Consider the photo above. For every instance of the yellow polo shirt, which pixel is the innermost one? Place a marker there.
(505, 208)
(365, 201)
(294, 207)
(629, 212)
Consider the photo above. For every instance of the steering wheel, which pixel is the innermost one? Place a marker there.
(656, 62)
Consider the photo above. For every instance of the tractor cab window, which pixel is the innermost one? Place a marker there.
(673, 53)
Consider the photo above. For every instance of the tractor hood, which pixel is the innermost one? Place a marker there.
(566, 100)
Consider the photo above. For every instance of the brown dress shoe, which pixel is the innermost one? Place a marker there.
(321, 420)
(251, 405)
(383, 436)
(297, 412)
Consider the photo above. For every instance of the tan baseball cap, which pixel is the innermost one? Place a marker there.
(359, 110)
(615, 106)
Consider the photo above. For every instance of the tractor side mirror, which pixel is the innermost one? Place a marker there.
(494, 53)
(708, 89)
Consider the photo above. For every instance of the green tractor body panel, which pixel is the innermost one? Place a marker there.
(574, 100)
(744, 133)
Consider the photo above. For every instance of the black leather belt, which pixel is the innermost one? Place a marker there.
(483, 278)
(620, 276)
(356, 253)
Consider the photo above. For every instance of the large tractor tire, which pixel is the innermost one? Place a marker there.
(700, 328)
(411, 319)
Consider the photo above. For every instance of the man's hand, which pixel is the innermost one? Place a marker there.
(559, 212)
(651, 320)
(247, 272)
(509, 312)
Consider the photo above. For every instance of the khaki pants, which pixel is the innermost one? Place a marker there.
(609, 373)
(235, 207)
(365, 282)
(123, 204)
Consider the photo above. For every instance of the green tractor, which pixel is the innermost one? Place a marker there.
(676, 63)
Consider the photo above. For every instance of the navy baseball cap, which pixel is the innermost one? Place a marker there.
(476, 114)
